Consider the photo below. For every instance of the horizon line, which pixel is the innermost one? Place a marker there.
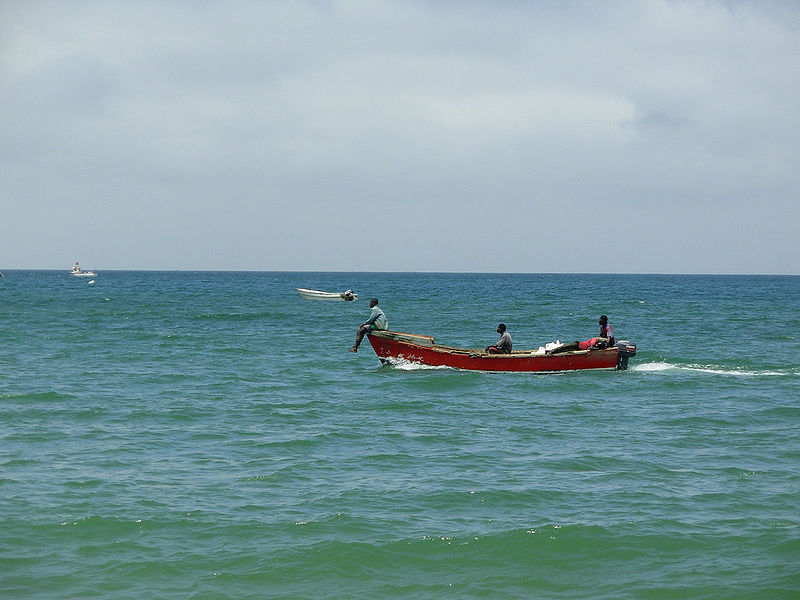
(433, 272)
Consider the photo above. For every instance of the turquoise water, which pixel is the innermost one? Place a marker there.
(207, 435)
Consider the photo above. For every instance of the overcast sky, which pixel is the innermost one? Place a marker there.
(488, 136)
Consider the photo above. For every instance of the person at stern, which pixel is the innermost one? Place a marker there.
(605, 339)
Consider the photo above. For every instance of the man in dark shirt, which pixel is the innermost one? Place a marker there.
(503, 345)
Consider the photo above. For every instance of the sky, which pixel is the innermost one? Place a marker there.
(650, 136)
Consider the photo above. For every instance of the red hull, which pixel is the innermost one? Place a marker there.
(421, 349)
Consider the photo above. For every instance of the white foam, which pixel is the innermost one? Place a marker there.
(655, 367)
(407, 365)
(713, 371)
(651, 367)
(735, 372)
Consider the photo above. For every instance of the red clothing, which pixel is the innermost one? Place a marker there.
(605, 332)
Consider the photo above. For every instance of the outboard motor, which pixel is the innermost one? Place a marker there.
(626, 350)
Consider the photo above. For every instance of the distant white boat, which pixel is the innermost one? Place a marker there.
(347, 296)
(77, 272)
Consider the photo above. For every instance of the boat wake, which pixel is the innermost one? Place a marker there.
(407, 365)
(651, 367)
(659, 367)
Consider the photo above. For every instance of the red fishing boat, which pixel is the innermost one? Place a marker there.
(396, 346)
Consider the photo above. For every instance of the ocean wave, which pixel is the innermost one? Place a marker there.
(40, 396)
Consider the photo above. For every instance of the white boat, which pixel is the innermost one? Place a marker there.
(346, 296)
(77, 272)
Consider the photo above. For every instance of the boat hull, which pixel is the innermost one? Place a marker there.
(319, 295)
(389, 346)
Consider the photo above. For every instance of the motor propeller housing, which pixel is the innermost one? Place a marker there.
(627, 350)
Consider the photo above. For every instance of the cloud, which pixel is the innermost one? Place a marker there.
(535, 113)
(258, 119)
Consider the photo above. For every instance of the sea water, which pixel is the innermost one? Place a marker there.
(207, 435)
